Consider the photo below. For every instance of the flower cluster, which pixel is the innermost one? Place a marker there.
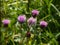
(32, 20)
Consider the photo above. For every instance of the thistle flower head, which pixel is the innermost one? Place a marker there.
(35, 13)
(31, 20)
(5, 22)
(22, 18)
(43, 23)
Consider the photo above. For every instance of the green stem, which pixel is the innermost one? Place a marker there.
(4, 6)
(55, 8)
(49, 9)
(45, 17)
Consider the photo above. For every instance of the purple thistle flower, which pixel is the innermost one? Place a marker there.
(43, 23)
(31, 21)
(5, 22)
(22, 18)
(35, 13)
